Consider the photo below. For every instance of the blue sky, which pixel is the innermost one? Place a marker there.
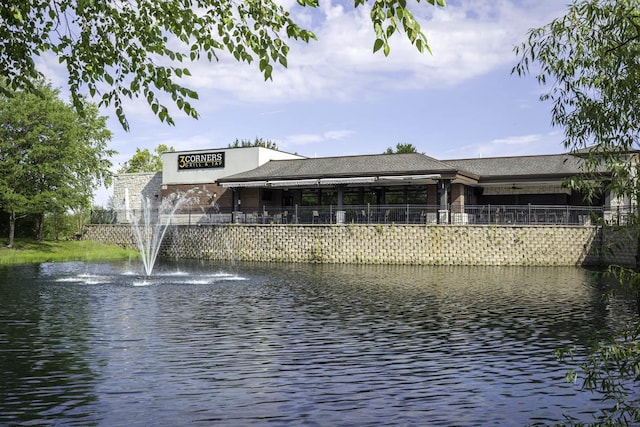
(338, 98)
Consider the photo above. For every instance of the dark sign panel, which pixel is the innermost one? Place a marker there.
(201, 160)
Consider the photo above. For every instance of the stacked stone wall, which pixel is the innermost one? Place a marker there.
(389, 244)
(619, 246)
(117, 234)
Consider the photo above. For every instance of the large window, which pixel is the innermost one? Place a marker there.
(417, 195)
(329, 196)
(468, 195)
(351, 196)
(309, 197)
(370, 196)
(323, 196)
(394, 196)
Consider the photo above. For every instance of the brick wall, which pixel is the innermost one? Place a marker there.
(389, 244)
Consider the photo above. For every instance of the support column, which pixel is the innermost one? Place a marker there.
(235, 213)
(444, 186)
(340, 213)
(236, 199)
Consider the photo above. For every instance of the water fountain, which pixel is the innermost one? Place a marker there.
(150, 228)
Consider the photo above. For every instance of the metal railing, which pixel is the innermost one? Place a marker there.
(529, 215)
(392, 214)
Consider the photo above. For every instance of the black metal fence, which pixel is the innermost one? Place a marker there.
(391, 214)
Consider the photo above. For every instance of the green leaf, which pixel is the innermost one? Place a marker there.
(267, 72)
(390, 30)
(377, 45)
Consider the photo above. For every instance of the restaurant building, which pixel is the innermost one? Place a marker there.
(261, 185)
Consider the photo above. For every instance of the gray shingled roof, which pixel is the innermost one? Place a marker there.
(390, 164)
(555, 165)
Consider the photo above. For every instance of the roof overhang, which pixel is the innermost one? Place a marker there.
(243, 184)
(348, 180)
(293, 183)
(345, 180)
(408, 177)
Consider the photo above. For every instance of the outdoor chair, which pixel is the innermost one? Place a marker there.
(521, 217)
(507, 217)
(363, 213)
(315, 216)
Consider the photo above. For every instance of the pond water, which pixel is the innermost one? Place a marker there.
(281, 344)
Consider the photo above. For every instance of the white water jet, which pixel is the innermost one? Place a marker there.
(150, 228)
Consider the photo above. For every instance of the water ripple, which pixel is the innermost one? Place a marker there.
(293, 345)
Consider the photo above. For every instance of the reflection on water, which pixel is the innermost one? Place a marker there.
(97, 344)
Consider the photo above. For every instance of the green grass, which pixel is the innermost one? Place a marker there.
(28, 252)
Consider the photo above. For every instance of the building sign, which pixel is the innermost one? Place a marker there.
(201, 160)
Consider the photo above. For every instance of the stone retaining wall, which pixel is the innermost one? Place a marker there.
(389, 244)
(619, 245)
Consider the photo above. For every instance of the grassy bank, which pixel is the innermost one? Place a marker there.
(27, 251)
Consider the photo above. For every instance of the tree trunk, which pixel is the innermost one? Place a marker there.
(12, 229)
(40, 227)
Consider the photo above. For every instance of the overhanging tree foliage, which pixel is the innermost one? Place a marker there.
(125, 49)
(590, 58)
(52, 158)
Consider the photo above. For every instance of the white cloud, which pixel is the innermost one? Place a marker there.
(292, 141)
(467, 38)
(302, 139)
(338, 134)
(517, 140)
(515, 145)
